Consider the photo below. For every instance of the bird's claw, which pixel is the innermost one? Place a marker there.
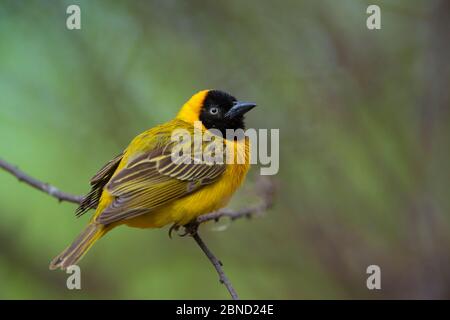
(173, 227)
(189, 229)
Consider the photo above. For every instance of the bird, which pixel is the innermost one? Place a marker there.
(143, 187)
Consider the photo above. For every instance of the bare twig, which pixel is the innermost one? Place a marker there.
(45, 187)
(266, 192)
(266, 189)
(217, 265)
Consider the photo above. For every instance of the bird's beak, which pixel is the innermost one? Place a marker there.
(239, 108)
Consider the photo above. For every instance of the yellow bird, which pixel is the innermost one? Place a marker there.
(143, 187)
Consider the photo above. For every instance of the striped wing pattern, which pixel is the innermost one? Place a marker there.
(153, 179)
(98, 182)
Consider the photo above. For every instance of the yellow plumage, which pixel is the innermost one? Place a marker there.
(185, 209)
(141, 188)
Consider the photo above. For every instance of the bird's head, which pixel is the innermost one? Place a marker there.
(216, 110)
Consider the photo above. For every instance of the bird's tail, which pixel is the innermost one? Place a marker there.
(79, 247)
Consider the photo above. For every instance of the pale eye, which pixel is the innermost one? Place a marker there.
(214, 110)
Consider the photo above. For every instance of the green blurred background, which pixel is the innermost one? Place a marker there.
(364, 151)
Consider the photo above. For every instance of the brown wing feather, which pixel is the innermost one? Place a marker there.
(107, 170)
(152, 180)
(98, 182)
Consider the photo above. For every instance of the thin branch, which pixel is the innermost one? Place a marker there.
(266, 190)
(42, 186)
(217, 265)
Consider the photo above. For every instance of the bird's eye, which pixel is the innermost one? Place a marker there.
(214, 110)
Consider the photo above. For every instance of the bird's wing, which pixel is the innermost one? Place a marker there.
(98, 182)
(152, 180)
(106, 171)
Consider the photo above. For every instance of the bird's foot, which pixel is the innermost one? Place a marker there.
(188, 229)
